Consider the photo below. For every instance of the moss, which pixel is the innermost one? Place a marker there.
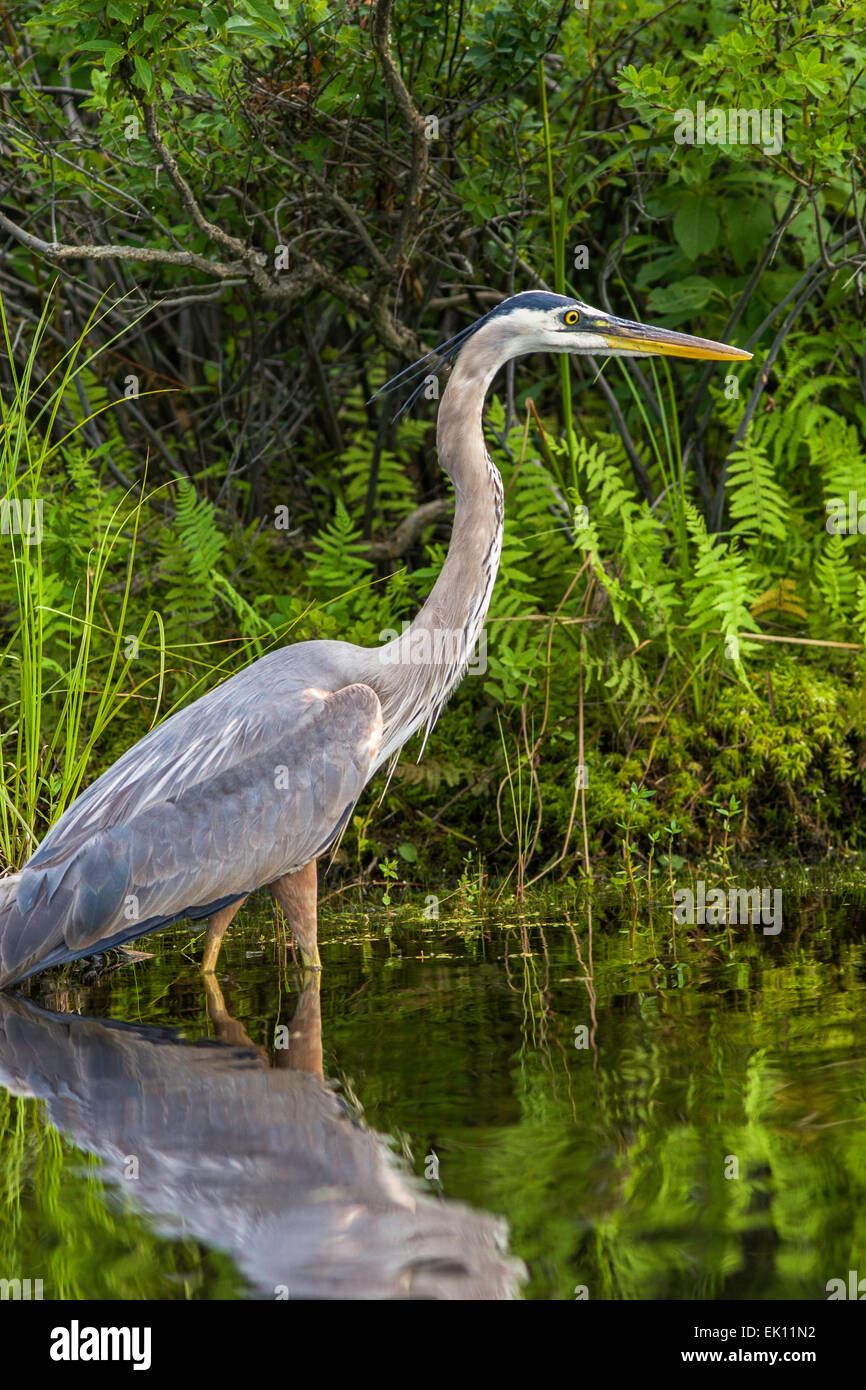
(793, 755)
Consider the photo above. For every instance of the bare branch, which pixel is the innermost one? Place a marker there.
(415, 183)
(88, 251)
(253, 259)
(410, 529)
(381, 35)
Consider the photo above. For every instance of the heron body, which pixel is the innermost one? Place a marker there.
(250, 784)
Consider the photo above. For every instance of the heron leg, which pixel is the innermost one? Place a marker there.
(298, 895)
(216, 930)
(304, 1051)
(227, 1029)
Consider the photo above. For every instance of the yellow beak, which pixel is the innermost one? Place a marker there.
(664, 342)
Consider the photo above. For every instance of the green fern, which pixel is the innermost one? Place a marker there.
(757, 504)
(395, 491)
(190, 550)
(835, 450)
(722, 587)
(836, 579)
(341, 562)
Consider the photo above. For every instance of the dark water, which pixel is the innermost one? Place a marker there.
(650, 1120)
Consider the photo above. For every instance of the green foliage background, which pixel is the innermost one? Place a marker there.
(246, 216)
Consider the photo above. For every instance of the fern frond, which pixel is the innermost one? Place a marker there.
(758, 506)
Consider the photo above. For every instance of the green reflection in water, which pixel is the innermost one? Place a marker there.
(707, 1141)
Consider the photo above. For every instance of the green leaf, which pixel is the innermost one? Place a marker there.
(113, 57)
(266, 14)
(681, 298)
(144, 72)
(696, 227)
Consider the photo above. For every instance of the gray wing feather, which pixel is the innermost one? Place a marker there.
(181, 822)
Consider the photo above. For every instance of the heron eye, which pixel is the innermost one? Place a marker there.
(571, 317)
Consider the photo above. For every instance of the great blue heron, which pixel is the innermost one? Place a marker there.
(249, 785)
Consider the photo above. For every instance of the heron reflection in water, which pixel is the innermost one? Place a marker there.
(263, 1162)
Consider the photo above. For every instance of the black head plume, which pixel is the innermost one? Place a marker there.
(427, 366)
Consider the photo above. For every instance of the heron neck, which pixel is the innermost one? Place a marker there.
(429, 658)
(462, 592)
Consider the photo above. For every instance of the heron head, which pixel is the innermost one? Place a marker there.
(536, 321)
